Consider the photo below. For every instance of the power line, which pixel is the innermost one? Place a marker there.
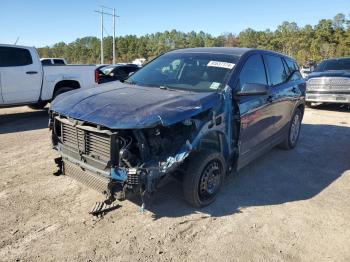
(102, 12)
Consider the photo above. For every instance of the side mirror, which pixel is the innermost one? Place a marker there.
(250, 89)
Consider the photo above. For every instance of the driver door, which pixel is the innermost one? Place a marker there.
(255, 110)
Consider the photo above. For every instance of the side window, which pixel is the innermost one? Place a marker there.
(253, 71)
(46, 62)
(293, 67)
(13, 56)
(58, 62)
(277, 72)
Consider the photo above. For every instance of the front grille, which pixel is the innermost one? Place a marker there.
(90, 143)
(329, 84)
(96, 182)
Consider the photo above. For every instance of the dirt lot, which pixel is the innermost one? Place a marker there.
(286, 206)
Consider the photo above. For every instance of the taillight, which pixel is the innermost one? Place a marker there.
(97, 76)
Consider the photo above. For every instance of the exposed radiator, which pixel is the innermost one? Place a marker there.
(93, 181)
(90, 143)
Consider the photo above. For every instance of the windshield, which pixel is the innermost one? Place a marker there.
(107, 69)
(336, 64)
(187, 71)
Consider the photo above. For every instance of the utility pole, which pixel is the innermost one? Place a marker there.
(101, 36)
(102, 12)
(113, 36)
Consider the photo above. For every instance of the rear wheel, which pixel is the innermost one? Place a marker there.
(204, 178)
(309, 104)
(38, 106)
(292, 137)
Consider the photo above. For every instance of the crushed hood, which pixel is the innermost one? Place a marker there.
(121, 106)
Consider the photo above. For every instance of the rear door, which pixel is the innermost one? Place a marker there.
(20, 75)
(256, 116)
(280, 92)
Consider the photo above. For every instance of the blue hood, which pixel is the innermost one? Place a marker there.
(335, 73)
(122, 106)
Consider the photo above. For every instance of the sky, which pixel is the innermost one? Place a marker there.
(45, 22)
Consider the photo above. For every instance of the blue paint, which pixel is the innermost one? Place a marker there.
(122, 106)
(119, 174)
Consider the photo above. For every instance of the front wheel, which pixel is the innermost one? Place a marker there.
(204, 178)
(292, 137)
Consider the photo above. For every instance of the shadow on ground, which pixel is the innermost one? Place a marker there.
(276, 178)
(333, 107)
(23, 121)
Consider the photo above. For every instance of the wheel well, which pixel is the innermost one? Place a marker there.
(301, 107)
(213, 141)
(67, 83)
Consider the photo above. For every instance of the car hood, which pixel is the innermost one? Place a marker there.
(335, 73)
(122, 106)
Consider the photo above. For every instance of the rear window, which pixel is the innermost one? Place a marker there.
(293, 70)
(46, 62)
(336, 64)
(292, 65)
(13, 56)
(58, 62)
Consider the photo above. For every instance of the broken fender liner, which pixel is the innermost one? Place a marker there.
(101, 208)
(59, 163)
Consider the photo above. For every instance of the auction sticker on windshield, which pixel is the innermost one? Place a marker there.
(214, 85)
(221, 64)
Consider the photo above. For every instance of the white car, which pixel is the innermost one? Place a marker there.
(25, 81)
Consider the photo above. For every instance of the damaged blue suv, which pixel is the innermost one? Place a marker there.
(197, 114)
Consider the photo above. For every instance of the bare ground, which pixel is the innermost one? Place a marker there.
(286, 206)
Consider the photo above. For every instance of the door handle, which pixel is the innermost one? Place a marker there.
(31, 72)
(294, 89)
(269, 98)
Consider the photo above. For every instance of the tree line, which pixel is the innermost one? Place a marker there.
(328, 38)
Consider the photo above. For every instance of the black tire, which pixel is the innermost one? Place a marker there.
(204, 177)
(61, 90)
(309, 104)
(292, 137)
(38, 106)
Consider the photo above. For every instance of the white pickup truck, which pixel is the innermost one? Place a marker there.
(25, 81)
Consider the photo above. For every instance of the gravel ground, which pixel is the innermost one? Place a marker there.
(286, 206)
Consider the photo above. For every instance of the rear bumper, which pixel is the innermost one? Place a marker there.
(342, 98)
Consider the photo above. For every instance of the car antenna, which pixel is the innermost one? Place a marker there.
(16, 40)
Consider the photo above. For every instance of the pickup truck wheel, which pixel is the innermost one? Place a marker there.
(61, 91)
(38, 106)
(309, 104)
(204, 178)
(294, 130)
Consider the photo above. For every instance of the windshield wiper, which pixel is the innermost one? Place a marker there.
(169, 88)
(129, 82)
